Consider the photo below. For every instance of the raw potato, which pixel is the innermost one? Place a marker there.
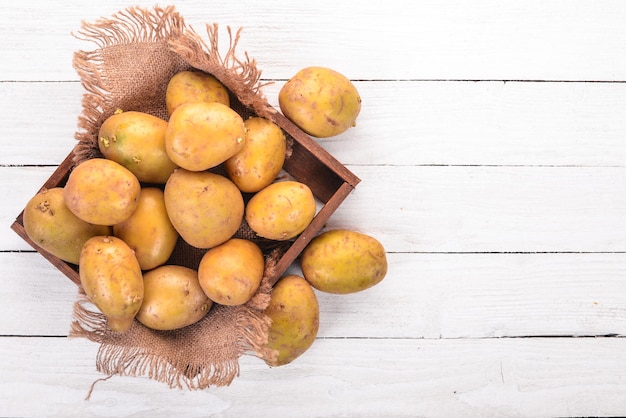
(231, 273)
(260, 160)
(149, 231)
(111, 277)
(101, 192)
(202, 135)
(281, 210)
(294, 311)
(52, 226)
(342, 261)
(172, 299)
(136, 140)
(322, 102)
(194, 86)
(205, 208)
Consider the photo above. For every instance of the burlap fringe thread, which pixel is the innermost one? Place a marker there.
(138, 51)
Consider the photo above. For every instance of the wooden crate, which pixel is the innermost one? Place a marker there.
(307, 162)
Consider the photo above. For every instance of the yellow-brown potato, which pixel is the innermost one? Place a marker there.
(51, 225)
(294, 311)
(194, 86)
(172, 298)
(111, 277)
(101, 192)
(205, 208)
(260, 160)
(343, 261)
(281, 210)
(321, 101)
(202, 135)
(231, 273)
(149, 231)
(136, 140)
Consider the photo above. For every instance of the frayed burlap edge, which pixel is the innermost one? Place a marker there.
(241, 77)
(131, 26)
(178, 371)
(165, 26)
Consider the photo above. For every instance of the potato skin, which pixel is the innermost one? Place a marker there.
(173, 298)
(149, 231)
(294, 311)
(205, 208)
(342, 261)
(260, 160)
(136, 140)
(52, 226)
(194, 86)
(231, 273)
(112, 279)
(101, 192)
(202, 135)
(281, 210)
(321, 101)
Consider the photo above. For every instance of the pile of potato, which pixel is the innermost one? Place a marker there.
(120, 216)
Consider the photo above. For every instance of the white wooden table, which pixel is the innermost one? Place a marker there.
(493, 165)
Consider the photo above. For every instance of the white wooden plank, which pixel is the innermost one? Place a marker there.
(366, 377)
(489, 209)
(485, 295)
(449, 209)
(485, 39)
(486, 123)
(423, 296)
(36, 298)
(39, 121)
(401, 123)
(17, 186)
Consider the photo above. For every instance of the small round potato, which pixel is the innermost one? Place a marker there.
(281, 210)
(112, 279)
(52, 226)
(149, 231)
(202, 135)
(172, 299)
(101, 192)
(342, 261)
(321, 101)
(136, 140)
(260, 160)
(294, 311)
(231, 273)
(194, 86)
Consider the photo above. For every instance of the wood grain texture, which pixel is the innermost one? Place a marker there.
(401, 123)
(424, 296)
(398, 378)
(398, 39)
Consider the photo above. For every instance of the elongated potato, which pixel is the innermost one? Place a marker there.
(149, 231)
(111, 277)
(202, 135)
(294, 311)
(342, 261)
(260, 160)
(281, 210)
(136, 140)
(52, 226)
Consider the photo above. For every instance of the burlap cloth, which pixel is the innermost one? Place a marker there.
(138, 51)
